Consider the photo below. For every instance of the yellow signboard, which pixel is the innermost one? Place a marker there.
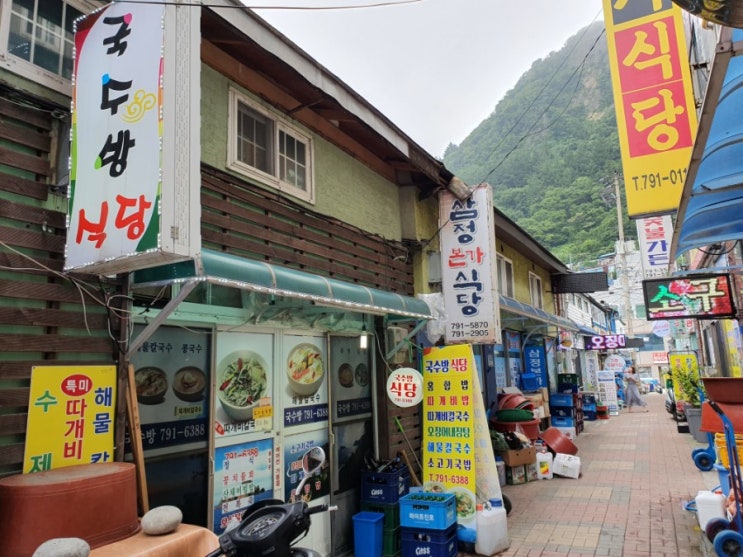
(71, 414)
(449, 442)
(654, 101)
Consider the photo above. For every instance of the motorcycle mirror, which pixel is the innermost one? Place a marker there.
(312, 460)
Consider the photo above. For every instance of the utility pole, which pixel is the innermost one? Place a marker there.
(622, 266)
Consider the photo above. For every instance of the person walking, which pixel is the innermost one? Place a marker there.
(632, 395)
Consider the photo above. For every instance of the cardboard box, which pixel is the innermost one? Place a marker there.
(515, 475)
(566, 465)
(521, 456)
(532, 474)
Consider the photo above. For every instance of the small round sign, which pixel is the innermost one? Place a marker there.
(405, 387)
(661, 329)
(614, 363)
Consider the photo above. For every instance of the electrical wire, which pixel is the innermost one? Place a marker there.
(246, 6)
(579, 68)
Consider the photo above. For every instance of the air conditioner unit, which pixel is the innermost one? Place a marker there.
(395, 335)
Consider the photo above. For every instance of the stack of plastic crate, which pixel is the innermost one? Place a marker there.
(380, 493)
(428, 524)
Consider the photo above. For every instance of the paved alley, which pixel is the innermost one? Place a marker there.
(637, 475)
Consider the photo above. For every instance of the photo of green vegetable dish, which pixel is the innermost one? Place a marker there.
(465, 503)
(243, 380)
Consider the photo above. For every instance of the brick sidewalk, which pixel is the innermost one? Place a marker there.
(637, 475)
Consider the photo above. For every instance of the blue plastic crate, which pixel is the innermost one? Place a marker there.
(430, 543)
(561, 399)
(530, 382)
(391, 512)
(560, 421)
(563, 411)
(430, 511)
(383, 487)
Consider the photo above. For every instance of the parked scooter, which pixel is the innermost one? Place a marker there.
(270, 528)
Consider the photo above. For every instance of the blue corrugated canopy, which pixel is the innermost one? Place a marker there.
(525, 310)
(258, 276)
(711, 208)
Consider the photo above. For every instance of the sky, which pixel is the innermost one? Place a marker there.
(435, 68)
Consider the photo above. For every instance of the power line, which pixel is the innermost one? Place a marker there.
(246, 6)
(549, 105)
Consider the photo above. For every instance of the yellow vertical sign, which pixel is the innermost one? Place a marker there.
(71, 414)
(449, 396)
(654, 101)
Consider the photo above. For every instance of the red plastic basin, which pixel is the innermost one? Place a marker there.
(557, 441)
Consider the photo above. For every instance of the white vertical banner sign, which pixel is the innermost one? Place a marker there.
(134, 165)
(654, 236)
(468, 269)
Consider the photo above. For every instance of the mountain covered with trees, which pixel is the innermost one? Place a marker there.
(550, 149)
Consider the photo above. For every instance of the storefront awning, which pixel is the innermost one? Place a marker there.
(582, 329)
(257, 276)
(711, 207)
(525, 310)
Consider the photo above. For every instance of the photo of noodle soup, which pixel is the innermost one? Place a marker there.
(305, 370)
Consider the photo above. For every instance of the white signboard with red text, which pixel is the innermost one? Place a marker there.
(134, 175)
(654, 235)
(468, 272)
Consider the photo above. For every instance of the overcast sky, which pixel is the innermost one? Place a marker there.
(435, 68)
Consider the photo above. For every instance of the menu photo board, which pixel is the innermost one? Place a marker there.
(244, 380)
(172, 376)
(350, 378)
(303, 372)
(704, 296)
(243, 475)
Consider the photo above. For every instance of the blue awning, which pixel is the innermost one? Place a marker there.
(258, 276)
(711, 207)
(586, 330)
(525, 310)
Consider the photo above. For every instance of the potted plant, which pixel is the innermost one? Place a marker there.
(691, 392)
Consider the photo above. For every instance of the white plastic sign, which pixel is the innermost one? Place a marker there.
(405, 387)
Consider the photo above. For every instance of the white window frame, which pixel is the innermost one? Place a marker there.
(26, 68)
(535, 290)
(280, 125)
(505, 275)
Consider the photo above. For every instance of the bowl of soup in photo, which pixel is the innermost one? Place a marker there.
(305, 369)
(242, 379)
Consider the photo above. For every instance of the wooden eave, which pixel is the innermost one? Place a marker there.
(317, 103)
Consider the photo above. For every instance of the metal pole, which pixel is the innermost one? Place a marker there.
(623, 259)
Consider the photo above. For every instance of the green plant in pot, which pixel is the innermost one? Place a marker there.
(689, 384)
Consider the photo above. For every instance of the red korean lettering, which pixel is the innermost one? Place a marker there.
(96, 230)
(134, 220)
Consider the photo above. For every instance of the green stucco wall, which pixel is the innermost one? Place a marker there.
(521, 268)
(344, 188)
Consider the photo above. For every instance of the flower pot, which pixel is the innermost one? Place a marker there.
(694, 419)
